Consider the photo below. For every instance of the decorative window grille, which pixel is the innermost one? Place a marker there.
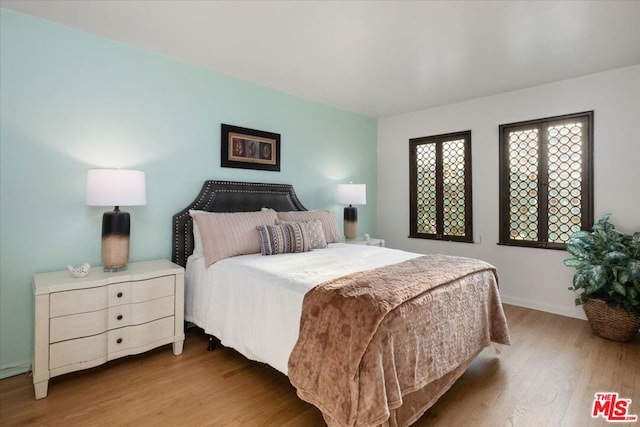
(546, 180)
(440, 187)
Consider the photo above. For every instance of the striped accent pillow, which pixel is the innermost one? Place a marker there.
(283, 238)
(315, 232)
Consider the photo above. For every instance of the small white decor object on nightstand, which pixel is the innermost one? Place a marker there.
(84, 322)
(370, 241)
(81, 271)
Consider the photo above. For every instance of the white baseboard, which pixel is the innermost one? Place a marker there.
(576, 313)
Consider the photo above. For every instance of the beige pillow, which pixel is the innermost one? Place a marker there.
(227, 234)
(328, 218)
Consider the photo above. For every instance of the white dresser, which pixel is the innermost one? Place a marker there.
(84, 322)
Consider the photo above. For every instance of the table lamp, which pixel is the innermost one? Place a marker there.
(115, 187)
(351, 194)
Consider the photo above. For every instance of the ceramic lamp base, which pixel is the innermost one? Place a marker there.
(350, 229)
(116, 227)
(115, 252)
(350, 222)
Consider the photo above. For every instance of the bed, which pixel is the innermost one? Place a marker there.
(371, 336)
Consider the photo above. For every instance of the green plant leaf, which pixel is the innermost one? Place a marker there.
(577, 251)
(634, 241)
(617, 287)
(582, 236)
(623, 275)
(575, 262)
(634, 245)
(616, 257)
(614, 235)
(603, 223)
(580, 279)
(634, 269)
(620, 246)
(596, 275)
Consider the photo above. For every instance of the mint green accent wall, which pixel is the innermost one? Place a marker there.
(70, 101)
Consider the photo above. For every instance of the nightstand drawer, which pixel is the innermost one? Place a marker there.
(108, 345)
(78, 301)
(94, 299)
(131, 337)
(77, 325)
(136, 314)
(78, 351)
(140, 291)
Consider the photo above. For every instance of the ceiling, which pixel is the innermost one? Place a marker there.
(376, 58)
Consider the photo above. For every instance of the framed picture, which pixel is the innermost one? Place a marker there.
(249, 149)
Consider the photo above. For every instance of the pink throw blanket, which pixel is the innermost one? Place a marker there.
(369, 338)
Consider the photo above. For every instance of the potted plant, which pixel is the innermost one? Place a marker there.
(607, 279)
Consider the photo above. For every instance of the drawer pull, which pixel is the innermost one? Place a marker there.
(119, 340)
(119, 317)
(119, 294)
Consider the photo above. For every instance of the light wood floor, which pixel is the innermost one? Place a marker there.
(547, 377)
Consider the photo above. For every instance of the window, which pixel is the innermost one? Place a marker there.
(440, 187)
(546, 180)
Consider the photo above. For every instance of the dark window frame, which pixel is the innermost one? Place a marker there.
(543, 214)
(438, 140)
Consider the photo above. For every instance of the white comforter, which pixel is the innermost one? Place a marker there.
(253, 303)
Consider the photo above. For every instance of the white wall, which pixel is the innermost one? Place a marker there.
(534, 278)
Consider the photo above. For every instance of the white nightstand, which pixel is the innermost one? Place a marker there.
(84, 322)
(362, 241)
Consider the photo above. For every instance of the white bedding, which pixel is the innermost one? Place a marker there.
(253, 303)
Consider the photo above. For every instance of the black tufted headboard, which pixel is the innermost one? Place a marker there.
(228, 196)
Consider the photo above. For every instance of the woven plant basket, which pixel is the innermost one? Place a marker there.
(613, 323)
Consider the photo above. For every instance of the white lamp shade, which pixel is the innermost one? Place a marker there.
(352, 194)
(115, 187)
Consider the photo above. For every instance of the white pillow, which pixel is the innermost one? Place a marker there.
(197, 240)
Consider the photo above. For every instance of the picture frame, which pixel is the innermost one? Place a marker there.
(249, 148)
